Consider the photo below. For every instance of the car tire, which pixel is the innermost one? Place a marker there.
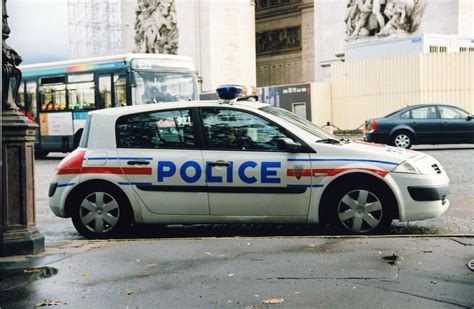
(41, 154)
(363, 208)
(402, 139)
(101, 212)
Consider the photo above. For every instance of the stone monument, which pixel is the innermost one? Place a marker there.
(18, 233)
(365, 18)
(156, 27)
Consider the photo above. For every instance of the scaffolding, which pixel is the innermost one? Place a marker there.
(94, 28)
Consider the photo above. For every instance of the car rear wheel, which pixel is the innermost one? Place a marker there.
(402, 140)
(361, 209)
(100, 213)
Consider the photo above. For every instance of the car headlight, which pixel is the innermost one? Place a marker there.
(407, 168)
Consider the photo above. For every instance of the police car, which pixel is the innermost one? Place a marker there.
(236, 160)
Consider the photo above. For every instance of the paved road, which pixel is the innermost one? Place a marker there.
(459, 219)
(299, 272)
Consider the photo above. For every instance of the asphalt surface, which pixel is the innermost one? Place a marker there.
(458, 161)
(307, 272)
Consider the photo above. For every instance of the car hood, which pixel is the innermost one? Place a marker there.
(383, 156)
(381, 151)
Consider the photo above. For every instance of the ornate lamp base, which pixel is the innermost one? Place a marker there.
(18, 233)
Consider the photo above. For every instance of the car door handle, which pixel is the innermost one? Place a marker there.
(138, 162)
(219, 163)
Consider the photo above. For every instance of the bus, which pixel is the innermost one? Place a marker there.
(58, 95)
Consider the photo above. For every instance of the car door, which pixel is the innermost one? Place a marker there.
(246, 173)
(456, 126)
(426, 124)
(163, 144)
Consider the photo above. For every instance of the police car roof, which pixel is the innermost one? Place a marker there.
(119, 111)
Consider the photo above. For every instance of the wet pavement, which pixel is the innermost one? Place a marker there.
(309, 272)
(458, 161)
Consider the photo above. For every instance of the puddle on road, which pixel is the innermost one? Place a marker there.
(18, 277)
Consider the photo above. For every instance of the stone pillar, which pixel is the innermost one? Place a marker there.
(18, 233)
(18, 225)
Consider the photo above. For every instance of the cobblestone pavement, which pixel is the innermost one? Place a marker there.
(459, 219)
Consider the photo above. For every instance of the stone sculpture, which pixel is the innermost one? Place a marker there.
(156, 27)
(380, 18)
(11, 75)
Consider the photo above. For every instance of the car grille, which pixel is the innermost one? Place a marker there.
(436, 168)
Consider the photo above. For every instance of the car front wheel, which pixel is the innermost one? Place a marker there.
(100, 213)
(362, 209)
(402, 140)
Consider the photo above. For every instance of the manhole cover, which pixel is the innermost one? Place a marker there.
(470, 265)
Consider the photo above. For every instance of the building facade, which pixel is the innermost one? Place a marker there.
(284, 41)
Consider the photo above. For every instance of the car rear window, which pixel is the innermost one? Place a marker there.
(85, 133)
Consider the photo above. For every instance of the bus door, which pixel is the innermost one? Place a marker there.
(105, 90)
(119, 89)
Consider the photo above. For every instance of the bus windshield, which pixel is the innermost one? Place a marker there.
(153, 87)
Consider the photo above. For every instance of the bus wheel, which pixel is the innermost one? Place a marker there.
(41, 154)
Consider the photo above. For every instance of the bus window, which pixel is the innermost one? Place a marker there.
(105, 91)
(119, 90)
(154, 87)
(31, 98)
(53, 94)
(81, 96)
(20, 100)
(53, 98)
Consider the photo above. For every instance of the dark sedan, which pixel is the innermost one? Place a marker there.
(422, 124)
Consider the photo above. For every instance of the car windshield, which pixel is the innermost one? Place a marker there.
(299, 122)
(155, 87)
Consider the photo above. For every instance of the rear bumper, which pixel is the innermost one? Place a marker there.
(376, 137)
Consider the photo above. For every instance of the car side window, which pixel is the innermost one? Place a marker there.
(451, 113)
(228, 129)
(428, 112)
(405, 115)
(156, 130)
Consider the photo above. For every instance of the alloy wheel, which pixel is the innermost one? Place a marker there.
(99, 212)
(360, 211)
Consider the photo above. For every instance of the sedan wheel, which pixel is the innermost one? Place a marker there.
(402, 140)
(360, 211)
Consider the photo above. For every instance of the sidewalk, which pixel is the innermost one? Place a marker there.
(323, 272)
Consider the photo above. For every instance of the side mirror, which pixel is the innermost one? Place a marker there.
(288, 144)
(469, 117)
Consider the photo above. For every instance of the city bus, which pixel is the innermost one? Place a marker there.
(58, 95)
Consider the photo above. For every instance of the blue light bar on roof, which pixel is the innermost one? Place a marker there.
(231, 92)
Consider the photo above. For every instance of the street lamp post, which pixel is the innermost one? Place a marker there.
(18, 233)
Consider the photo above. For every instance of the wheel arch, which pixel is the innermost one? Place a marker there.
(404, 128)
(354, 177)
(94, 183)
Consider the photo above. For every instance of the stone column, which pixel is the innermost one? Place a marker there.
(18, 233)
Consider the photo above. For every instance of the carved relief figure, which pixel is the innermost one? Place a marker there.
(10, 73)
(382, 17)
(156, 27)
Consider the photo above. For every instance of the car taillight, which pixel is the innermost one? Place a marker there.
(373, 125)
(72, 164)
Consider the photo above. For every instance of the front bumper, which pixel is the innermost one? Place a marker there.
(422, 196)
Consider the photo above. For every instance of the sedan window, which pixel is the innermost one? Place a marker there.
(428, 112)
(451, 113)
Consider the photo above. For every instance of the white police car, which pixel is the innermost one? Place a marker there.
(236, 160)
